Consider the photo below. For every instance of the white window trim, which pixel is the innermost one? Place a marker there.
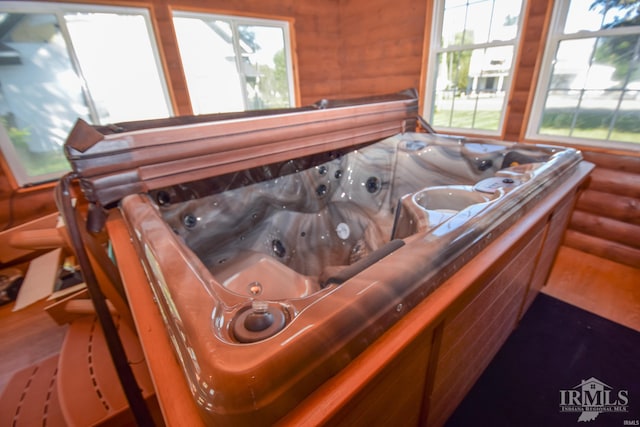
(555, 36)
(237, 20)
(432, 65)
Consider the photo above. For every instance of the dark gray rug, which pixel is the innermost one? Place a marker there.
(562, 366)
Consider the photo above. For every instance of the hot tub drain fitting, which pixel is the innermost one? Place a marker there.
(258, 322)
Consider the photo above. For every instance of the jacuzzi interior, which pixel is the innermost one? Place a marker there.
(290, 231)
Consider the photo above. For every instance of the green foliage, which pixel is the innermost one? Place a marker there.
(459, 61)
(467, 119)
(590, 119)
(629, 11)
(273, 84)
(34, 163)
(19, 137)
(620, 51)
(460, 74)
(594, 124)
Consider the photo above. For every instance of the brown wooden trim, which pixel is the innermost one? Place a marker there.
(532, 43)
(175, 400)
(167, 43)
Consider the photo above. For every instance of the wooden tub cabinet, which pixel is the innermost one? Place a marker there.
(422, 367)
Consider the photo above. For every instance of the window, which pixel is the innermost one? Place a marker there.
(473, 45)
(62, 62)
(234, 63)
(589, 87)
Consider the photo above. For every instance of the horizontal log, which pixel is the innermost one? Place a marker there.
(528, 53)
(315, 90)
(364, 17)
(373, 69)
(316, 23)
(606, 228)
(535, 8)
(353, 86)
(315, 8)
(622, 163)
(512, 129)
(525, 77)
(615, 182)
(326, 67)
(382, 50)
(519, 102)
(621, 208)
(318, 46)
(603, 248)
(22, 207)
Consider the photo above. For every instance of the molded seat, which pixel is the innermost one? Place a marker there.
(31, 397)
(89, 389)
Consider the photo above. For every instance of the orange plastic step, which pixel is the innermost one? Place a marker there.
(31, 397)
(88, 386)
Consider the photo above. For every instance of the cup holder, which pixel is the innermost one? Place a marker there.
(432, 206)
(449, 199)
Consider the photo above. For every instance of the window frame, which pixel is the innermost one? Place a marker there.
(434, 49)
(12, 160)
(553, 39)
(237, 20)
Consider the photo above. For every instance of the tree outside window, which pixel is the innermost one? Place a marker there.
(591, 74)
(235, 63)
(60, 63)
(471, 63)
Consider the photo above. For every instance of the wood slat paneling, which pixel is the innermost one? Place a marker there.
(531, 47)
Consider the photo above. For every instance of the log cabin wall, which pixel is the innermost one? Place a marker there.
(606, 219)
(348, 48)
(381, 45)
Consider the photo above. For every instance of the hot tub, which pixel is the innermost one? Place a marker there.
(273, 278)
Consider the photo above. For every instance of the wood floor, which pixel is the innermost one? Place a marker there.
(600, 286)
(26, 336)
(603, 287)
